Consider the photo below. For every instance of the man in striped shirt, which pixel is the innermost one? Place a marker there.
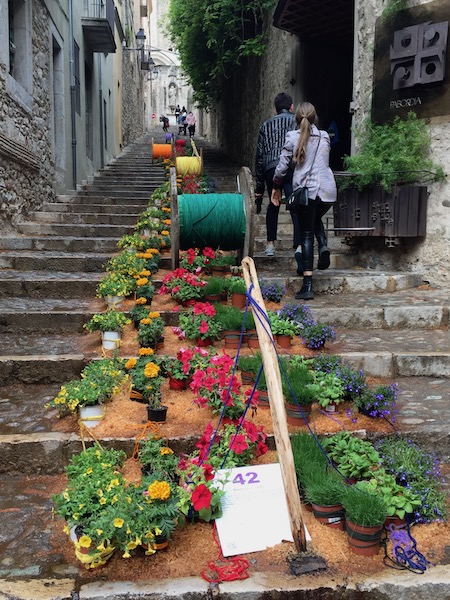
(271, 138)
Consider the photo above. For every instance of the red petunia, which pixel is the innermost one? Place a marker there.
(204, 327)
(262, 449)
(239, 444)
(201, 497)
(208, 472)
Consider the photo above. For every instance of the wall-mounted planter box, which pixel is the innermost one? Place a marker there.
(375, 212)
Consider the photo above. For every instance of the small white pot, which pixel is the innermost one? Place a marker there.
(91, 415)
(113, 301)
(110, 340)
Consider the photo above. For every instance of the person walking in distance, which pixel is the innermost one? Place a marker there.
(309, 149)
(271, 138)
(191, 120)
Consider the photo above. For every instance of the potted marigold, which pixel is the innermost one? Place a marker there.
(151, 330)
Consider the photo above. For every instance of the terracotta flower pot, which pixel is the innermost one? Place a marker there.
(332, 516)
(213, 297)
(232, 340)
(263, 399)
(293, 414)
(253, 341)
(178, 384)
(363, 540)
(284, 341)
(248, 378)
(238, 300)
(217, 271)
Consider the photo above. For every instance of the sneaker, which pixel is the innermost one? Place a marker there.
(270, 250)
(298, 258)
(324, 259)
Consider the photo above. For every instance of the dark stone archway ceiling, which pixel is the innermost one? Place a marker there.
(326, 21)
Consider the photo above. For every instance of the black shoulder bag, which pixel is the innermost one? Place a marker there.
(299, 197)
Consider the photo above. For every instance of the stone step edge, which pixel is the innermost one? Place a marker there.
(375, 364)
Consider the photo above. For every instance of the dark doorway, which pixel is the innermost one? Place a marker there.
(328, 84)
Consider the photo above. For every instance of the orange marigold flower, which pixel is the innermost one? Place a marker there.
(142, 281)
(154, 315)
(159, 490)
(145, 321)
(141, 300)
(151, 370)
(164, 232)
(146, 351)
(130, 363)
(145, 273)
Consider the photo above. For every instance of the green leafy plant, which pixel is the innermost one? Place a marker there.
(327, 488)
(237, 286)
(354, 458)
(222, 260)
(126, 263)
(157, 458)
(299, 385)
(216, 285)
(399, 500)
(392, 153)
(250, 363)
(281, 326)
(309, 458)
(331, 389)
(229, 317)
(213, 38)
(115, 284)
(110, 320)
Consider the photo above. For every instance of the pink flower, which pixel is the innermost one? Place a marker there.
(208, 472)
(201, 497)
(262, 449)
(239, 444)
(251, 431)
(209, 252)
(204, 327)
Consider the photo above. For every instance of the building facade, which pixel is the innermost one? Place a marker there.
(63, 110)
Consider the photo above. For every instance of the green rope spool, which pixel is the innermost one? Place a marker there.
(213, 220)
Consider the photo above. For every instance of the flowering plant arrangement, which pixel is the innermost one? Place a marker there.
(194, 259)
(222, 260)
(134, 241)
(126, 263)
(232, 446)
(164, 238)
(217, 387)
(110, 320)
(198, 322)
(200, 494)
(146, 378)
(272, 292)
(114, 284)
(157, 458)
(237, 286)
(100, 379)
(316, 335)
(151, 329)
(378, 402)
(187, 361)
(182, 285)
(145, 289)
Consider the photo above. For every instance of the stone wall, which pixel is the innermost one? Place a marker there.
(432, 254)
(26, 171)
(132, 100)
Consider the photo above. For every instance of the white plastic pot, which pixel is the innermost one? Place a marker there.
(110, 340)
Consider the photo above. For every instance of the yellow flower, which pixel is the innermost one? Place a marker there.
(165, 209)
(141, 300)
(159, 490)
(99, 531)
(131, 545)
(126, 554)
(145, 321)
(89, 471)
(166, 221)
(102, 500)
(66, 529)
(66, 496)
(131, 362)
(158, 531)
(151, 370)
(146, 351)
(114, 482)
(100, 493)
(142, 281)
(145, 273)
(85, 541)
(165, 450)
(153, 315)
(118, 522)
(164, 232)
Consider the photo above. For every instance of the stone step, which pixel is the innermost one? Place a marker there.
(106, 209)
(69, 262)
(284, 258)
(41, 284)
(60, 244)
(84, 218)
(106, 200)
(129, 188)
(120, 194)
(57, 229)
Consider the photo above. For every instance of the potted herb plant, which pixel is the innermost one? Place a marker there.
(325, 492)
(300, 391)
(331, 390)
(238, 291)
(215, 288)
(249, 366)
(283, 330)
(365, 514)
(356, 459)
(221, 263)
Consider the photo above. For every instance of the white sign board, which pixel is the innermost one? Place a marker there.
(255, 514)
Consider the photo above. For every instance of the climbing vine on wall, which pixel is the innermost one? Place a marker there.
(212, 37)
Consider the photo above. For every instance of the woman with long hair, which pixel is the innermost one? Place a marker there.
(309, 149)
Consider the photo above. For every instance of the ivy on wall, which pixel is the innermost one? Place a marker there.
(212, 37)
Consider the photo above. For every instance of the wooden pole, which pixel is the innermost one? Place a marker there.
(277, 409)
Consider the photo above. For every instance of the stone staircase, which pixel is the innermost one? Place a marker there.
(387, 324)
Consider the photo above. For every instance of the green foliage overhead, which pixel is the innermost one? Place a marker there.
(391, 153)
(212, 37)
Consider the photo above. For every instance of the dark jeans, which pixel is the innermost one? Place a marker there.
(191, 130)
(272, 210)
(310, 224)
